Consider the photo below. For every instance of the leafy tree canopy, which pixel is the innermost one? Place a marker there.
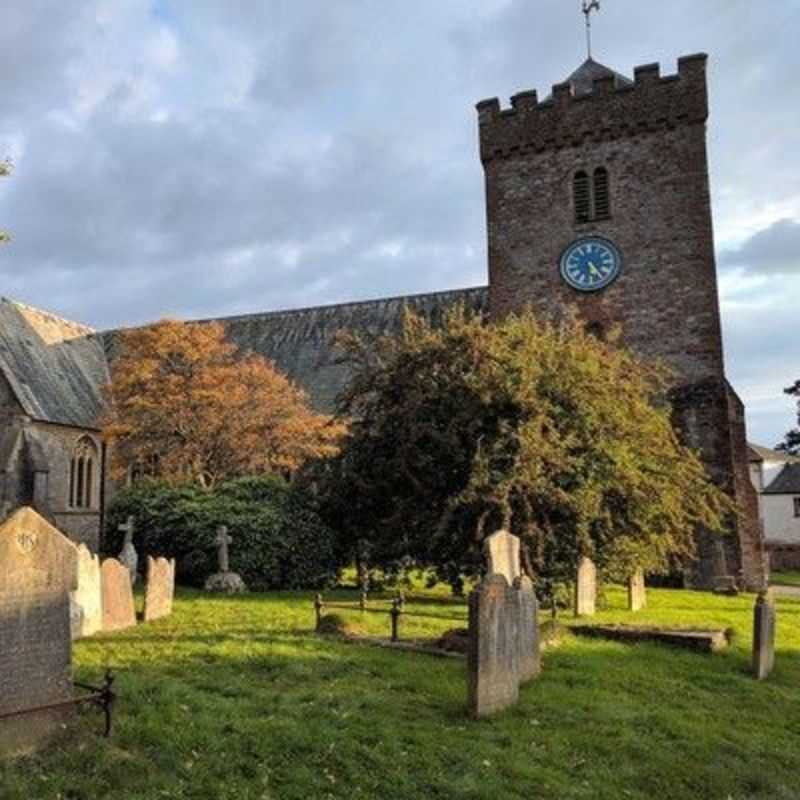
(791, 444)
(186, 406)
(464, 428)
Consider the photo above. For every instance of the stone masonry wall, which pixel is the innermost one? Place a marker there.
(651, 137)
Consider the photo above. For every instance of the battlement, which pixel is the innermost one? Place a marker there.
(565, 119)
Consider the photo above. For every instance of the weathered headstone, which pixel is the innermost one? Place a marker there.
(118, 608)
(528, 632)
(160, 588)
(87, 598)
(38, 570)
(128, 556)
(763, 636)
(224, 581)
(637, 593)
(493, 656)
(502, 555)
(586, 588)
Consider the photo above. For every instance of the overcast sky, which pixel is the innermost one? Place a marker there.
(202, 158)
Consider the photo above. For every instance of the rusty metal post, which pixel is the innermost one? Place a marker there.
(395, 612)
(108, 698)
(319, 607)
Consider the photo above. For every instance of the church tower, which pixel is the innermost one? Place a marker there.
(598, 198)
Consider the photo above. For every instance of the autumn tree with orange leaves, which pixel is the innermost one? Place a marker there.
(187, 406)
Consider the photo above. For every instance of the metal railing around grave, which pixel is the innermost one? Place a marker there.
(101, 696)
(396, 611)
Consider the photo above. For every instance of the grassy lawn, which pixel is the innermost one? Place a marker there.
(237, 699)
(785, 578)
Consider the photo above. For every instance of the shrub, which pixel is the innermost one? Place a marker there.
(279, 540)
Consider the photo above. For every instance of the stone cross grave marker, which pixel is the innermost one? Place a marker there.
(128, 556)
(502, 555)
(637, 594)
(763, 636)
(222, 541)
(38, 570)
(224, 581)
(160, 588)
(118, 608)
(586, 588)
(493, 655)
(88, 596)
(528, 634)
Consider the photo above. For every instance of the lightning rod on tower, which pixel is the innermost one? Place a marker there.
(588, 7)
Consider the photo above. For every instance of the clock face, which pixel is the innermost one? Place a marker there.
(590, 264)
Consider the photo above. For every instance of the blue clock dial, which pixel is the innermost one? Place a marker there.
(590, 264)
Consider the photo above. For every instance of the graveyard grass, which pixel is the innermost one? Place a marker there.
(237, 698)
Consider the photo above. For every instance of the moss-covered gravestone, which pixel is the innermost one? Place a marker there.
(493, 655)
(38, 570)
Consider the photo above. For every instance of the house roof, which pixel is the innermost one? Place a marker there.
(757, 453)
(787, 482)
(56, 368)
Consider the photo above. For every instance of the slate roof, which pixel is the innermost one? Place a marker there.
(758, 453)
(787, 482)
(300, 342)
(56, 368)
(582, 80)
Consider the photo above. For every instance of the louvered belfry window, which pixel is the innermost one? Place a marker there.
(582, 198)
(591, 196)
(602, 201)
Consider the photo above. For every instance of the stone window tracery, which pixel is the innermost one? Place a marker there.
(82, 474)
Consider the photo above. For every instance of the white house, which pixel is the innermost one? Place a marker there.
(776, 477)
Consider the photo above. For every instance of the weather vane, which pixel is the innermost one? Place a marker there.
(588, 7)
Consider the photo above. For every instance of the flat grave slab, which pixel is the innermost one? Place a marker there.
(698, 639)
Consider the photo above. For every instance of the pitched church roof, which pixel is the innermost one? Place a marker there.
(55, 368)
(301, 342)
(582, 80)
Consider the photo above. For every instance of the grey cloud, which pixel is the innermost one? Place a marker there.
(304, 152)
(772, 251)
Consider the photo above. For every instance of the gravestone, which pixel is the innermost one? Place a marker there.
(529, 664)
(501, 550)
(224, 581)
(118, 608)
(586, 588)
(88, 596)
(160, 588)
(637, 593)
(128, 556)
(493, 655)
(38, 570)
(763, 636)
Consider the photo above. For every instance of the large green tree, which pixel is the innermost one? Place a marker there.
(791, 444)
(463, 428)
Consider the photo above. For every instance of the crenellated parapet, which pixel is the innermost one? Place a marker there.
(565, 119)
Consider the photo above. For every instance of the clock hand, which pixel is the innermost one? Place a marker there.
(593, 269)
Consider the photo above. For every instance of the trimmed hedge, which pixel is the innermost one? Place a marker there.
(279, 540)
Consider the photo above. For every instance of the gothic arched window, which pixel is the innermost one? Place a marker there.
(602, 198)
(581, 197)
(82, 474)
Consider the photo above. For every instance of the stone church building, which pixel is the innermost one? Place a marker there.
(597, 198)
